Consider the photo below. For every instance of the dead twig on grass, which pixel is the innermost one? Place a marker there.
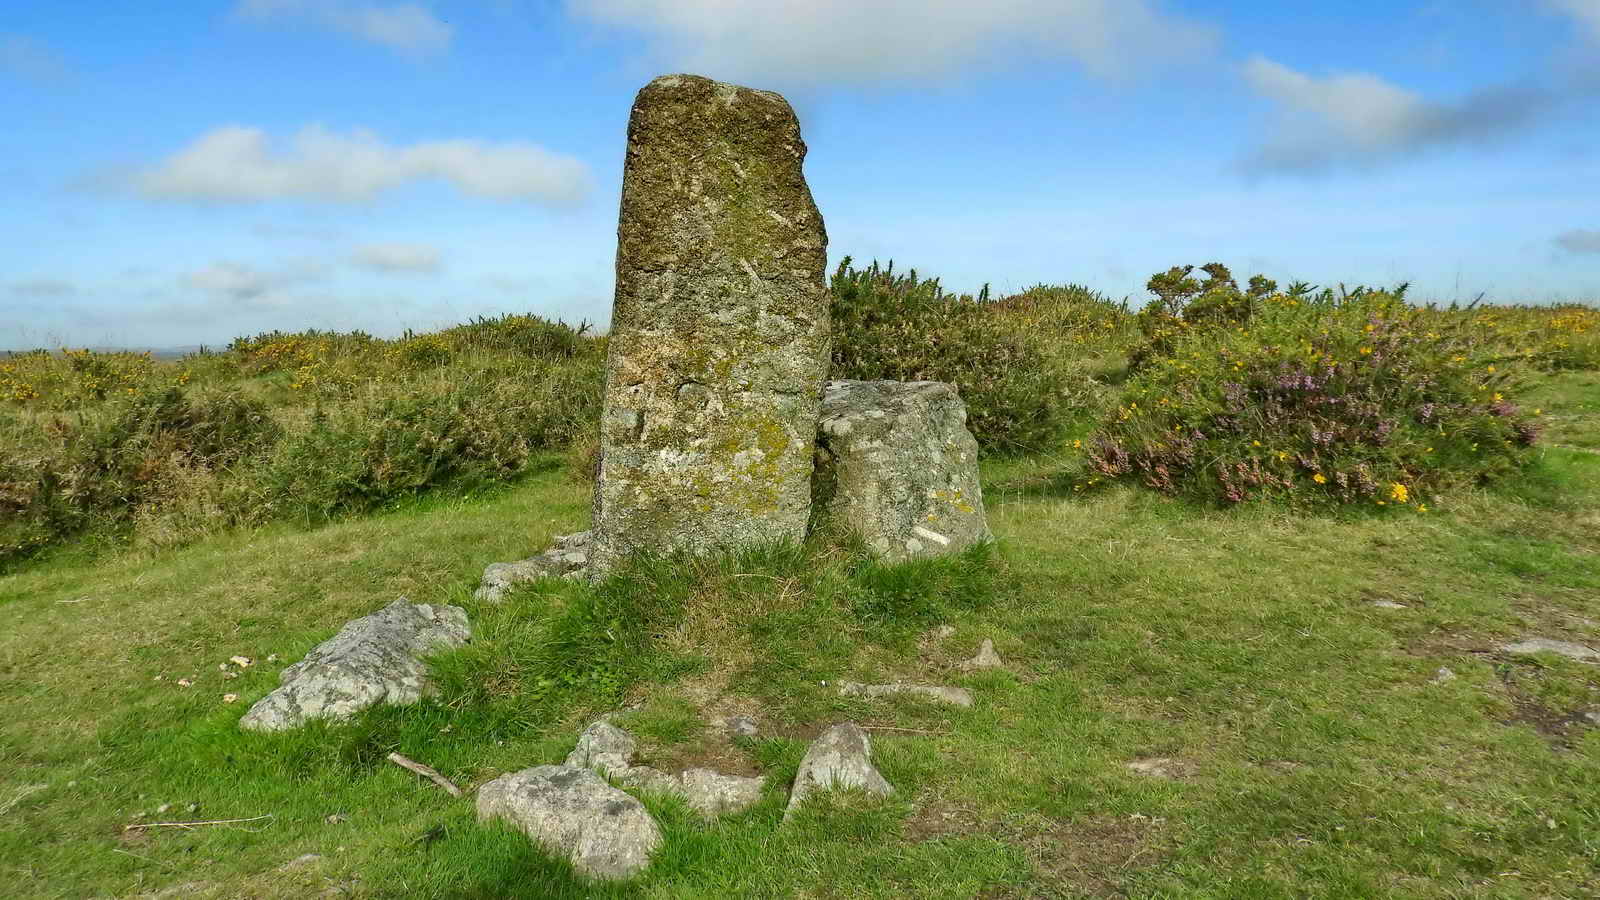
(428, 771)
(194, 824)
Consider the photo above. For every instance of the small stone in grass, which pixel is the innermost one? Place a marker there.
(163, 808)
(240, 661)
(1444, 674)
(1389, 604)
(230, 698)
(184, 682)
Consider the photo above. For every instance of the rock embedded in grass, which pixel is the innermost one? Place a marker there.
(605, 833)
(720, 327)
(568, 558)
(374, 659)
(840, 758)
(1546, 645)
(898, 465)
(938, 693)
(985, 659)
(609, 750)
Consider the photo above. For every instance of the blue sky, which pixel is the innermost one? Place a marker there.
(184, 172)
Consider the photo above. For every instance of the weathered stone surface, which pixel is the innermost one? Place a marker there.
(373, 659)
(898, 465)
(609, 750)
(605, 748)
(743, 726)
(986, 658)
(719, 332)
(840, 758)
(1546, 645)
(570, 811)
(569, 558)
(938, 693)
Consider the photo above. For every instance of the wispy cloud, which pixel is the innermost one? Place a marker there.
(1579, 240)
(1361, 119)
(43, 287)
(408, 28)
(862, 41)
(397, 258)
(1586, 12)
(239, 282)
(24, 57)
(235, 164)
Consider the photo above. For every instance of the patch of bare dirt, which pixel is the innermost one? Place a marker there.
(1090, 857)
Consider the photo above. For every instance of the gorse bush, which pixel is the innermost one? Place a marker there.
(1359, 398)
(304, 426)
(902, 328)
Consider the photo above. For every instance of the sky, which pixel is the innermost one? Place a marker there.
(182, 173)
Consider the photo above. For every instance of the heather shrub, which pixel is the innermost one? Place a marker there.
(1312, 399)
(905, 328)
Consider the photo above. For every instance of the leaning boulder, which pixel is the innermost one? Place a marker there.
(605, 748)
(573, 812)
(373, 659)
(897, 464)
(840, 758)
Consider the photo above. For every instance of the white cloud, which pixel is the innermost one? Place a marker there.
(1587, 12)
(239, 282)
(406, 27)
(1579, 240)
(397, 258)
(825, 41)
(44, 287)
(1357, 118)
(25, 57)
(236, 164)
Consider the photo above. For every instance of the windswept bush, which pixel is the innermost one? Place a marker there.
(64, 473)
(905, 328)
(1359, 398)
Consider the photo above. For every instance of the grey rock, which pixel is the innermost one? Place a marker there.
(986, 658)
(840, 758)
(301, 861)
(720, 327)
(744, 726)
(1545, 645)
(897, 464)
(573, 812)
(568, 558)
(609, 750)
(605, 748)
(1389, 604)
(1443, 675)
(938, 693)
(1162, 767)
(1593, 716)
(373, 659)
(707, 792)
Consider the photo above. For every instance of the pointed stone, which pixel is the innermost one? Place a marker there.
(840, 758)
(986, 658)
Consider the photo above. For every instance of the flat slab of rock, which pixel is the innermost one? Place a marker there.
(935, 692)
(573, 812)
(374, 659)
(609, 750)
(898, 465)
(840, 758)
(719, 330)
(568, 558)
(1546, 645)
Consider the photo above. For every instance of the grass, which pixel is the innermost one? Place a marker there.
(1315, 752)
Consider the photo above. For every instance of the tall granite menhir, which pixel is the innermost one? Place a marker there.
(719, 332)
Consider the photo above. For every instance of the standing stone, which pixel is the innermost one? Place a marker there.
(899, 467)
(719, 332)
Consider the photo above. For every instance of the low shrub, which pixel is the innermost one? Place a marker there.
(1311, 398)
(905, 328)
